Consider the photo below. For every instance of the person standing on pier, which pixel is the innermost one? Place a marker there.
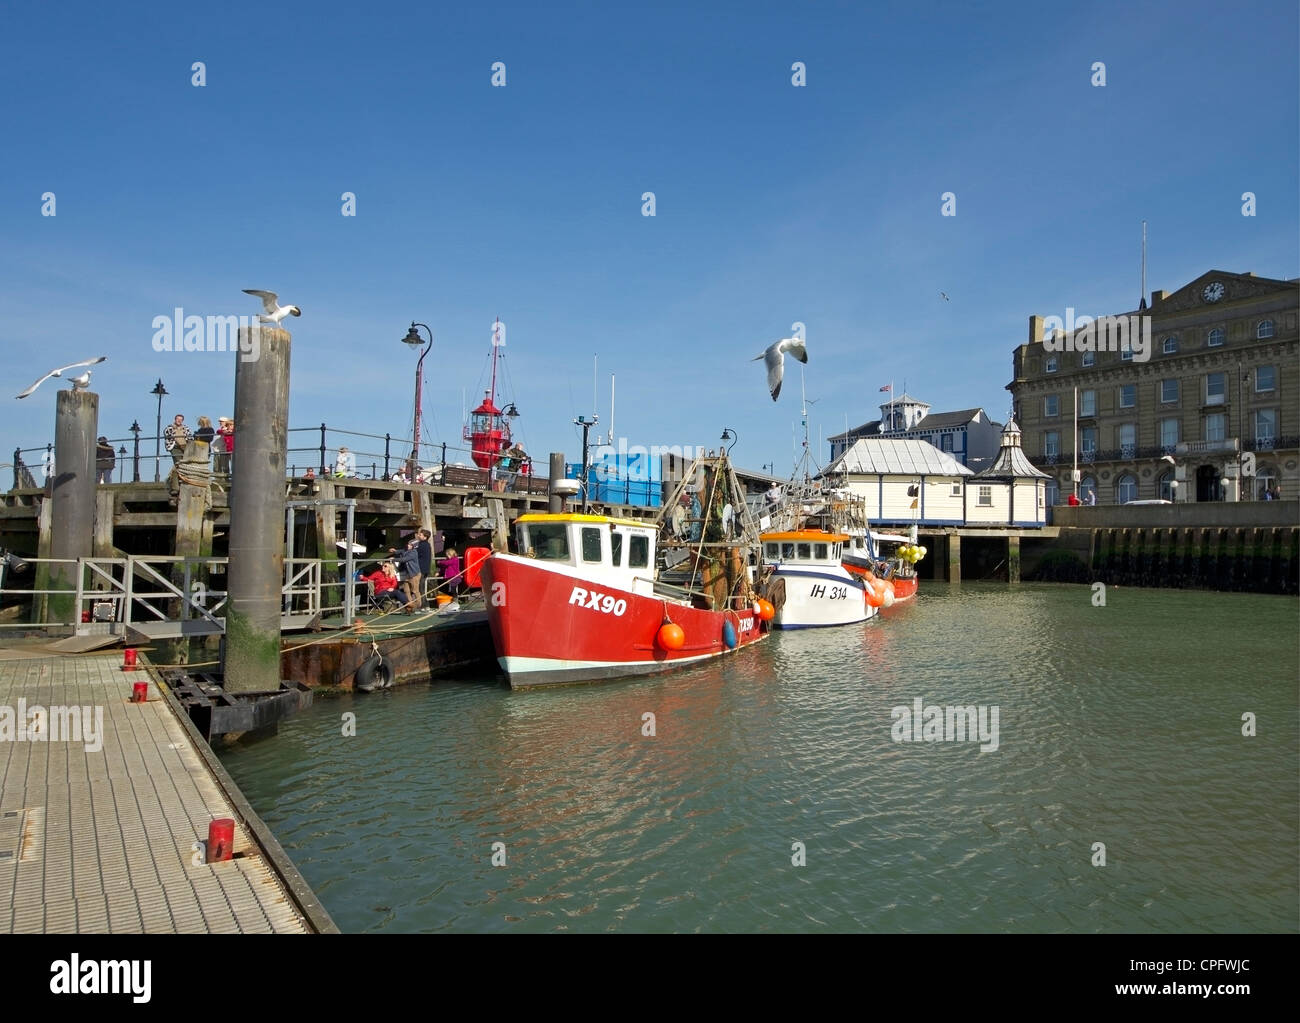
(415, 563)
(105, 461)
(175, 437)
(204, 431)
(223, 444)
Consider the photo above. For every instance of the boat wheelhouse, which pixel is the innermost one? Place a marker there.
(808, 584)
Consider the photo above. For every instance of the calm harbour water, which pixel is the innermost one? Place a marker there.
(1120, 725)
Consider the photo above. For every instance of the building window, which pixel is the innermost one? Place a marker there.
(1165, 485)
(945, 442)
(1049, 366)
(1265, 427)
(956, 490)
(1170, 345)
(1264, 330)
(1128, 395)
(1214, 388)
(1087, 403)
(1168, 436)
(1053, 494)
(1087, 359)
(1215, 423)
(1265, 481)
(1087, 486)
(1215, 337)
(1052, 444)
(1126, 489)
(986, 497)
(1265, 378)
(1051, 406)
(1168, 392)
(1128, 440)
(1088, 443)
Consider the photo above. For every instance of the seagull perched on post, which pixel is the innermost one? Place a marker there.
(79, 383)
(774, 358)
(275, 312)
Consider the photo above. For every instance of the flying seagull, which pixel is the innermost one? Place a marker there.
(78, 383)
(944, 295)
(774, 358)
(275, 312)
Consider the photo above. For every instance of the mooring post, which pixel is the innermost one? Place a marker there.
(1013, 559)
(954, 557)
(193, 536)
(556, 501)
(72, 502)
(256, 572)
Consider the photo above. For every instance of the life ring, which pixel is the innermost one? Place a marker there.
(373, 674)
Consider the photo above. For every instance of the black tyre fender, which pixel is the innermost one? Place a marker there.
(374, 673)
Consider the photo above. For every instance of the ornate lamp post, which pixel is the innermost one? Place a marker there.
(135, 429)
(728, 434)
(159, 390)
(415, 341)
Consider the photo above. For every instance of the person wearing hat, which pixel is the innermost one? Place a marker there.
(346, 464)
(223, 444)
(105, 461)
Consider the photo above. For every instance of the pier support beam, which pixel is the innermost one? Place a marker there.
(252, 662)
(193, 537)
(954, 558)
(556, 502)
(104, 508)
(1013, 559)
(72, 512)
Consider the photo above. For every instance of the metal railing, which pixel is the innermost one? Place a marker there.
(111, 594)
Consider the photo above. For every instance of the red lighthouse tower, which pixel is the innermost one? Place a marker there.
(488, 430)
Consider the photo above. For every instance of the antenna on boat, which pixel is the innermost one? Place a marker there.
(611, 410)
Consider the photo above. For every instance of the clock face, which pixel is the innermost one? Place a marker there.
(1213, 291)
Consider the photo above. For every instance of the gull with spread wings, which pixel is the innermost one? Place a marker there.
(79, 383)
(275, 312)
(774, 358)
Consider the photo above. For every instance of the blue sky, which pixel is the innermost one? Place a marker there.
(774, 204)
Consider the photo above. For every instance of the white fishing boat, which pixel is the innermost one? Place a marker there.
(806, 582)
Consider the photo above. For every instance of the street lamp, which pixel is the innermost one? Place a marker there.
(159, 390)
(135, 429)
(415, 341)
(728, 434)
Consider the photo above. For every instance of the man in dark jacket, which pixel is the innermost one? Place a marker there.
(105, 461)
(415, 562)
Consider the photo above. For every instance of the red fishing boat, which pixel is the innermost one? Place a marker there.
(888, 557)
(592, 597)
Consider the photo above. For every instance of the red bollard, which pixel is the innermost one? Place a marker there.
(140, 692)
(128, 659)
(221, 840)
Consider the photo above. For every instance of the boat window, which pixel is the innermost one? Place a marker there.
(638, 552)
(591, 543)
(787, 552)
(835, 551)
(819, 552)
(615, 549)
(549, 541)
(805, 551)
(771, 549)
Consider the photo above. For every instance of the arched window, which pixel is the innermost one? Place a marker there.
(1126, 489)
(1215, 338)
(1165, 485)
(1265, 480)
(1088, 485)
(1265, 329)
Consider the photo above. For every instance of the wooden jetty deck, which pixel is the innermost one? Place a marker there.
(103, 840)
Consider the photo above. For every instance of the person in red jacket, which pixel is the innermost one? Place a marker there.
(1072, 501)
(384, 580)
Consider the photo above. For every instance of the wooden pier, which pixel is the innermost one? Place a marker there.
(102, 834)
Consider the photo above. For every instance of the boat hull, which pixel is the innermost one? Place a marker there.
(820, 598)
(551, 626)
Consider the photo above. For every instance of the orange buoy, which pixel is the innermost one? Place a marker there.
(873, 598)
(671, 637)
(766, 612)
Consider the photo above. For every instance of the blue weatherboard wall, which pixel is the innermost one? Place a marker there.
(627, 477)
